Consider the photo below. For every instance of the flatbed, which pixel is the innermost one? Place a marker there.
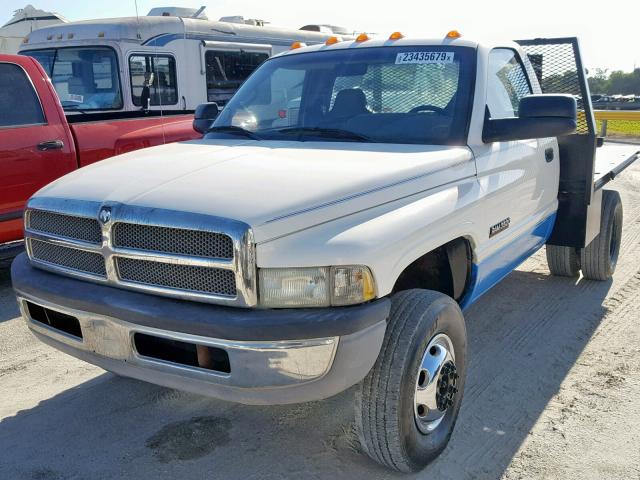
(612, 159)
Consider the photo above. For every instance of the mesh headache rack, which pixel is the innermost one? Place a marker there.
(557, 63)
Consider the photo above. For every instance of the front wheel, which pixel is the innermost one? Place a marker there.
(407, 406)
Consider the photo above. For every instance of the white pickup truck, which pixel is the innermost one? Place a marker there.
(342, 210)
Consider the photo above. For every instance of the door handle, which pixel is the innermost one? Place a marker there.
(548, 155)
(51, 145)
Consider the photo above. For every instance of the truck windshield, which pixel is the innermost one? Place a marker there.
(416, 95)
(85, 78)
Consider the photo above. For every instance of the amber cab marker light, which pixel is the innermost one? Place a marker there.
(295, 45)
(332, 40)
(453, 34)
(396, 36)
(363, 37)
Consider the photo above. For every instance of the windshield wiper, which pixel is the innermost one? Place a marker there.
(73, 108)
(327, 132)
(232, 129)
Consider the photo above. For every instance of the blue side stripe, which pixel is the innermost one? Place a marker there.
(165, 38)
(493, 269)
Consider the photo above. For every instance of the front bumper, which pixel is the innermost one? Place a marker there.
(275, 356)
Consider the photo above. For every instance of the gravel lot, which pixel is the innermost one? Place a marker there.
(553, 392)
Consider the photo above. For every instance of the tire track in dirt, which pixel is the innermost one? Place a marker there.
(594, 406)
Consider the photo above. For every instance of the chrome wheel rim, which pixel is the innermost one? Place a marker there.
(436, 383)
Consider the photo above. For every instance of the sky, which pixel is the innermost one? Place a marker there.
(609, 34)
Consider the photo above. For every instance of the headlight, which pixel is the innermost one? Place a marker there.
(315, 286)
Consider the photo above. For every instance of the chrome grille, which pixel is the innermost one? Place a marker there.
(176, 254)
(77, 228)
(172, 240)
(80, 260)
(181, 277)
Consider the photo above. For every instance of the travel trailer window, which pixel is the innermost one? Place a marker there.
(19, 103)
(226, 70)
(153, 80)
(85, 78)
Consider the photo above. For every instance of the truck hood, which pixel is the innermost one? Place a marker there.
(276, 187)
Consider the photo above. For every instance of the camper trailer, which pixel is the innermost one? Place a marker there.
(23, 22)
(161, 61)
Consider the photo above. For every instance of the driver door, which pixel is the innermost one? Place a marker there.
(519, 178)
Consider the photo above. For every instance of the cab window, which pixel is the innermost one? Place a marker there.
(153, 80)
(399, 88)
(507, 83)
(85, 78)
(19, 103)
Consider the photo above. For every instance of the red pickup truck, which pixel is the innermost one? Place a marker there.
(39, 143)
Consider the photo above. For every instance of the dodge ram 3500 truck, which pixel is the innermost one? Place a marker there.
(342, 210)
(38, 143)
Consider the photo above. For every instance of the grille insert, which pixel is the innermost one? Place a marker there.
(162, 252)
(75, 259)
(77, 228)
(172, 240)
(182, 277)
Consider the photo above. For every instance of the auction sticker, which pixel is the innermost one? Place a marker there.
(72, 97)
(424, 57)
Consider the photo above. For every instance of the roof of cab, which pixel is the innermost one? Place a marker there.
(384, 42)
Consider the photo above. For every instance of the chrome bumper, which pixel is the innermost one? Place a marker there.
(261, 372)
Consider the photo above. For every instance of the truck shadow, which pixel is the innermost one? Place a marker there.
(8, 305)
(524, 337)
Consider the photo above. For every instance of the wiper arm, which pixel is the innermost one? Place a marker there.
(73, 108)
(327, 132)
(232, 129)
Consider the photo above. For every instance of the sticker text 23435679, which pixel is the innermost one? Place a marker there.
(424, 57)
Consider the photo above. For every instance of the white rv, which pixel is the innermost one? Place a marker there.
(156, 62)
(23, 22)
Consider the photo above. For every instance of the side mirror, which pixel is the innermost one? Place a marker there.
(540, 116)
(204, 116)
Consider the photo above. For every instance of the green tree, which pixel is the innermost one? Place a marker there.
(618, 82)
(599, 82)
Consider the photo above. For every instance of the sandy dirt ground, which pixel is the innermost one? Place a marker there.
(553, 393)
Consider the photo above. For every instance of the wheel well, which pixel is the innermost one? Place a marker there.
(446, 269)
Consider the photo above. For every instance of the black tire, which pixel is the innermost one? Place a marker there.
(598, 259)
(385, 421)
(563, 261)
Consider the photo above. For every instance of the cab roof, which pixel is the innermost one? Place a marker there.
(402, 42)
